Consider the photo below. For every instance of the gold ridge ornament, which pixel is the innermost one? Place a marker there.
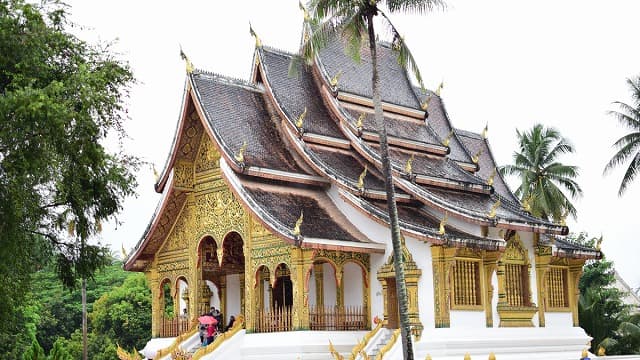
(361, 179)
(443, 222)
(494, 209)
(240, 155)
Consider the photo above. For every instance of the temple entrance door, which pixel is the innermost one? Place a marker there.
(393, 314)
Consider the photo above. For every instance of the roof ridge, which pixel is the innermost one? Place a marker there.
(468, 133)
(227, 80)
(277, 50)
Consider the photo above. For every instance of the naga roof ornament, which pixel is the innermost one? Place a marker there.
(300, 120)
(253, 33)
(188, 63)
(494, 209)
(446, 140)
(485, 131)
(335, 79)
(296, 227)
(361, 178)
(240, 155)
(408, 166)
(476, 157)
(443, 222)
(439, 89)
(491, 177)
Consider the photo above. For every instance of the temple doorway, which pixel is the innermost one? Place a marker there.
(393, 315)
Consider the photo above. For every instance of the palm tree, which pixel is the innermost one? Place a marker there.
(542, 176)
(353, 19)
(629, 145)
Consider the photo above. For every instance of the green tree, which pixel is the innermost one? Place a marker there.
(354, 20)
(34, 352)
(58, 352)
(542, 177)
(629, 145)
(61, 98)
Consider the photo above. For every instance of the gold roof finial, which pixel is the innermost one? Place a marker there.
(188, 63)
(361, 178)
(601, 351)
(494, 209)
(446, 140)
(443, 222)
(124, 252)
(439, 89)
(253, 33)
(428, 357)
(407, 167)
(599, 243)
(467, 356)
(526, 203)
(155, 172)
(476, 157)
(300, 120)
(305, 12)
(425, 104)
(360, 121)
(296, 227)
(491, 177)
(336, 78)
(485, 131)
(492, 356)
(240, 155)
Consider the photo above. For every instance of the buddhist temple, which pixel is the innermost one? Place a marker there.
(273, 211)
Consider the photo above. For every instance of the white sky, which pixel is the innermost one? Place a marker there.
(509, 63)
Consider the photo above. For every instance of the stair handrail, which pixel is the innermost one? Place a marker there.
(179, 339)
(365, 340)
(388, 345)
(235, 328)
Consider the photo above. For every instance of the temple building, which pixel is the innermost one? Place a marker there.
(273, 210)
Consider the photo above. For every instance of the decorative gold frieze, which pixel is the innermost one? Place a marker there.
(207, 157)
(183, 174)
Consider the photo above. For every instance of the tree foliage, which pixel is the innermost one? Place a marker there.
(542, 178)
(629, 145)
(59, 100)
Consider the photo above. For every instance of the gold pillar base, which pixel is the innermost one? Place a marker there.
(516, 316)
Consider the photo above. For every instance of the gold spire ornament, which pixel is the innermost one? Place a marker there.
(492, 356)
(467, 356)
(188, 63)
(446, 140)
(439, 89)
(300, 120)
(305, 12)
(360, 121)
(407, 167)
(240, 155)
(296, 227)
(361, 178)
(494, 209)
(485, 131)
(476, 157)
(253, 33)
(425, 104)
(336, 78)
(443, 222)
(124, 252)
(491, 177)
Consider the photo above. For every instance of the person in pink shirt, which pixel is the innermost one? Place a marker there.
(211, 330)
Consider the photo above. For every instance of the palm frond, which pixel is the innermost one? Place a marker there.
(404, 55)
(630, 174)
(414, 6)
(627, 149)
(627, 115)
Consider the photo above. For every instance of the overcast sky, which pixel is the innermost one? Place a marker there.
(507, 63)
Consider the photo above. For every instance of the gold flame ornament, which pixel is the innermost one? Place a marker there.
(601, 351)
(584, 354)
(446, 140)
(124, 252)
(491, 177)
(336, 78)
(492, 356)
(408, 166)
(361, 178)
(253, 33)
(240, 155)
(360, 121)
(188, 63)
(425, 105)
(467, 356)
(526, 204)
(494, 209)
(485, 131)
(439, 89)
(300, 120)
(443, 222)
(305, 12)
(296, 227)
(476, 157)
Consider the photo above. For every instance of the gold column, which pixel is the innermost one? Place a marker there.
(575, 273)
(543, 258)
(489, 266)
(443, 261)
(301, 262)
(222, 294)
(319, 277)
(340, 288)
(241, 277)
(156, 308)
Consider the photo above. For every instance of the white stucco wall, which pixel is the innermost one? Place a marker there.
(215, 299)
(421, 253)
(353, 284)
(467, 319)
(558, 319)
(329, 285)
(233, 297)
(312, 288)
(182, 286)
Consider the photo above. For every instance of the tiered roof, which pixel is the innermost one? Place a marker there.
(308, 134)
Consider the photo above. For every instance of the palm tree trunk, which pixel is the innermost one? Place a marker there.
(398, 261)
(84, 319)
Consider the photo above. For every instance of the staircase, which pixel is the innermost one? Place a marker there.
(380, 342)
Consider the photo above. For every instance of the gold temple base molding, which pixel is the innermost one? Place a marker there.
(516, 316)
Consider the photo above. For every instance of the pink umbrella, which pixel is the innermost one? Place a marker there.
(206, 320)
